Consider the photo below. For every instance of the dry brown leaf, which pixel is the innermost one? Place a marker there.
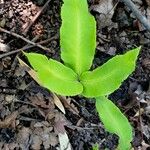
(20, 71)
(23, 138)
(60, 122)
(70, 106)
(49, 139)
(145, 146)
(58, 103)
(106, 10)
(36, 142)
(10, 146)
(31, 72)
(43, 135)
(64, 141)
(38, 100)
(146, 130)
(104, 7)
(9, 120)
(53, 140)
(44, 107)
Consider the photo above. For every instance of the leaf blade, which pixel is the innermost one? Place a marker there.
(115, 122)
(78, 35)
(55, 76)
(108, 77)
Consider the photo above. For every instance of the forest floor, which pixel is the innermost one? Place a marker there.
(29, 117)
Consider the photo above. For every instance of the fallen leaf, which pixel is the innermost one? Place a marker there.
(64, 141)
(53, 140)
(60, 122)
(70, 106)
(146, 130)
(104, 7)
(43, 135)
(44, 106)
(39, 100)
(58, 103)
(20, 71)
(106, 10)
(145, 146)
(10, 146)
(31, 72)
(41, 124)
(9, 120)
(36, 142)
(23, 138)
(49, 139)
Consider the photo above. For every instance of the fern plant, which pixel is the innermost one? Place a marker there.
(78, 43)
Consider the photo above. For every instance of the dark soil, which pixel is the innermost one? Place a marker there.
(28, 111)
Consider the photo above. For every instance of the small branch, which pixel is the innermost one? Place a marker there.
(16, 51)
(27, 47)
(35, 18)
(26, 40)
(137, 13)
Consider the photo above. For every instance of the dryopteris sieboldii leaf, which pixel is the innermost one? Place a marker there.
(78, 41)
(54, 75)
(107, 78)
(114, 121)
(77, 35)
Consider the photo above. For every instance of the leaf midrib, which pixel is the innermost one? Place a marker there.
(78, 48)
(54, 74)
(115, 122)
(92, 80)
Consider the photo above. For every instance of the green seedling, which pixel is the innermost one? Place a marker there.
(95, 147)
(78, 43)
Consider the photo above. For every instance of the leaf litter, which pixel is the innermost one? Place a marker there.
(28, 113)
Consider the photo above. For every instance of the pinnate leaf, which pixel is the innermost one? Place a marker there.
(114, 121)
(108, 77)
(55, 76)
(77, 35)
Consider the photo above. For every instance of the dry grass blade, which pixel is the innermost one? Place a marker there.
(58, 103)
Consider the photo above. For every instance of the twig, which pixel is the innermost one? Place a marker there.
(16, 51)
(27, 47)
(137, 13)
(50, 39)
(26, 40)
(35, 18)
